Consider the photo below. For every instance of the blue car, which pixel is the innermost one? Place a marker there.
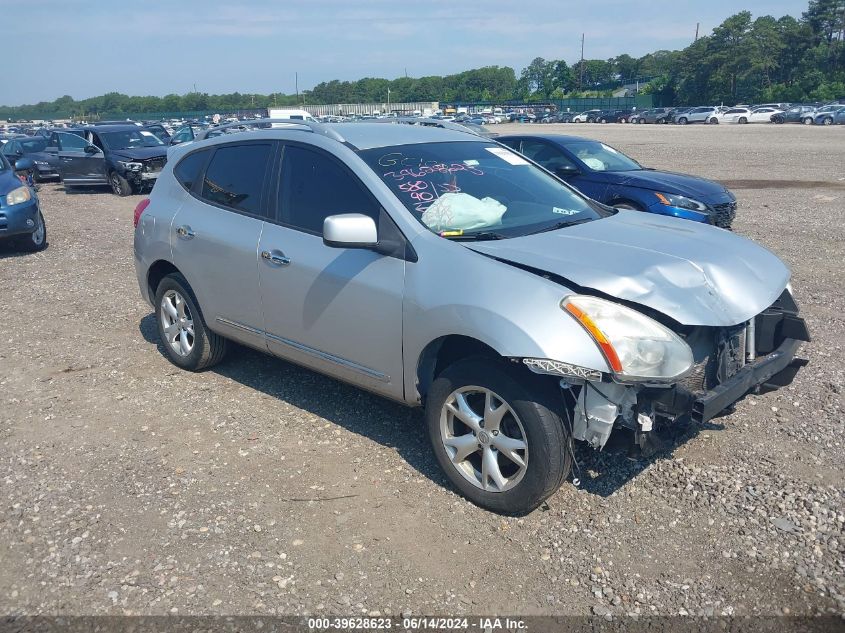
(612, 178)
(21, 221)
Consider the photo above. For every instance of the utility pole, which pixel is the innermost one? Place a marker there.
(296, 83)
(581, 77)
(696, 31)
(388, 99)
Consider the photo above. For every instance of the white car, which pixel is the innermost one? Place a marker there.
(747, 115)
(763, 115)
(585, 117)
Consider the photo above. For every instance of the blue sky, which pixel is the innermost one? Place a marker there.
(88, 47)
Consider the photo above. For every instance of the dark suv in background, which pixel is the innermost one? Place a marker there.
(126, 157)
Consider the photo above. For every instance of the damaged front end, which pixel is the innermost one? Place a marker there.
(727, 363)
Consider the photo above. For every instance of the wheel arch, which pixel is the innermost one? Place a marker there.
(446, 350)
(158, 271)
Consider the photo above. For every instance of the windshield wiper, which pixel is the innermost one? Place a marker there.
(481, 235)
(560, 225)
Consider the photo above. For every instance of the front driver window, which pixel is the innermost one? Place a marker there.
(549, 157)
(71, 142)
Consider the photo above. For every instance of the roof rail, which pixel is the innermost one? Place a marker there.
(309, 126)
(446, 125)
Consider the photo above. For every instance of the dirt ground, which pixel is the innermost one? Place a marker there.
(129, 486)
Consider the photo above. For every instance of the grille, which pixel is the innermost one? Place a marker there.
(154, 164)
(3, 224)
(723, 214)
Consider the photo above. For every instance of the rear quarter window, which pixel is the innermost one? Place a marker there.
(189, 168)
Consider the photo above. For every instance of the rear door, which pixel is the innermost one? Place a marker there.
(338, 310)
(215, 233)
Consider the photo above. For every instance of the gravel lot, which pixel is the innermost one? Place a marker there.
(130, 487)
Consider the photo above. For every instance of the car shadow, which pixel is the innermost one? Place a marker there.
(604, 472)
(402, 429)
(390, 424)
(8, 250)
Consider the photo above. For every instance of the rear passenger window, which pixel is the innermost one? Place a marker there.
(235, 177)
(188, 169)
(314, 187)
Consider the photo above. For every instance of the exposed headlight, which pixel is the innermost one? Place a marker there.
(130, 166)
(18, 196)
(680, 201)
(635, 346)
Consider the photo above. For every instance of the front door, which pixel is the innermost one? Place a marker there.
(338, 310)
(80, 162)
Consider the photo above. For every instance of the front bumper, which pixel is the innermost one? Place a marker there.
(777, 369)
(19, 219)
(773, 370)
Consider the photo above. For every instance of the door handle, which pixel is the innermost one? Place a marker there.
(185, 232)
(275, 257)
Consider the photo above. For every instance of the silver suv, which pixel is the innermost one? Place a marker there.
(440, 268)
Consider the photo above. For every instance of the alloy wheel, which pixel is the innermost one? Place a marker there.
(177, 323)
(115, 185)
(484, 439)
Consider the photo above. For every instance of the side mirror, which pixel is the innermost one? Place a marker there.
(24, 164)
(565, 172)
(350, 230)
(175, 140)
(92, 149)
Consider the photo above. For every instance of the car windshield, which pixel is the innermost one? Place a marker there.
(130, 139)
(33, 145)
(600, 157)
(476, 190)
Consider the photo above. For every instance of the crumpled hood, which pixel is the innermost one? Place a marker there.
(670, 182)
(691, 272)
(141, 153)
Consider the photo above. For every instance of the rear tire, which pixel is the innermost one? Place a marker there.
(742, 120)
(808, 121)
(475, 457)
(35, 241)
(187, 341)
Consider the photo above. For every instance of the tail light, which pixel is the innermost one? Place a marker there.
(139, 210)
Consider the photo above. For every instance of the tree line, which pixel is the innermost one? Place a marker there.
(744, 60)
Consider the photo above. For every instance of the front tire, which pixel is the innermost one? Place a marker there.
(682, 121)
(37, 240)
(742, 120)
(119, 185)
(187, 341)
(827, 121)
(497, 435)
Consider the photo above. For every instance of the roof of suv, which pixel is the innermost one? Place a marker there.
(113, 127)
(360, 136)
(371, 135)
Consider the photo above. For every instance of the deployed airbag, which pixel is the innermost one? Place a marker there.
(461, 211)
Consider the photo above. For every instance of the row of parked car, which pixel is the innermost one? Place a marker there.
(808, 114)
